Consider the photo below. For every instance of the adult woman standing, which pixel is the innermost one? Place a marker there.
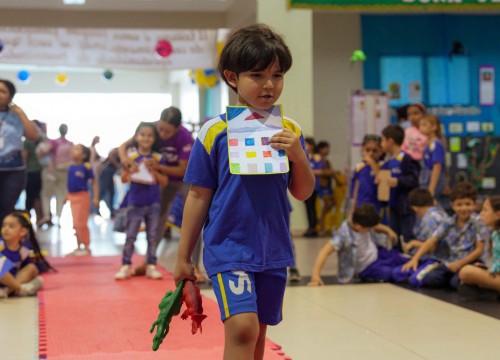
(14, 124)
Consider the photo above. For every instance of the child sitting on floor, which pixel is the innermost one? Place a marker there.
(359, 248)
(18, 272)
(429, 217)
(477, 275)
(465, 236)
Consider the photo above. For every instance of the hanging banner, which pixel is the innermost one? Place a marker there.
(396, 5)
(110, 48)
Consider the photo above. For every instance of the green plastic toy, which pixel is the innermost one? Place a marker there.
(169, 306)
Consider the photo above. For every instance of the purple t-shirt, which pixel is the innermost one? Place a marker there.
(177, 148)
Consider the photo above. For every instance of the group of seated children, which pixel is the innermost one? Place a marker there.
(431, 248)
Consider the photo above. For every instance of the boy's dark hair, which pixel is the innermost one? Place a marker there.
(495, 204)
(402, 112)
(253, 48)
(86, 153)
(420, 197)
(156, 144)
(463, 190)
(10, 86)
(371, 137)
(171, 115)
(366, 216)
(394, 132)
(321, 145)
(310, 140)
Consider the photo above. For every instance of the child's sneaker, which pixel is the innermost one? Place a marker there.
(80, 252)
(294, 275)
(124, 273)
(153, 273)
(31, 288)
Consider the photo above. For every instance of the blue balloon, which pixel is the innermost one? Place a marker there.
(1, 46)
(23, 75)
(209, 72)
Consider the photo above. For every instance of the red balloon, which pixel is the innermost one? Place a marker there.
(164, 48)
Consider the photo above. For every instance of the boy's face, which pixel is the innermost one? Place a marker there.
(463, 207)
(386, 144)
(257, 89)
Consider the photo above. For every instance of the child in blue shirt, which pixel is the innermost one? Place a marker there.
(79, 174)
(316, 164)
(245, 219)
(143, 199)
(361, 251)
(404, 178)
(18, 271)
(363, 187)
(465, 236)
(432, 176)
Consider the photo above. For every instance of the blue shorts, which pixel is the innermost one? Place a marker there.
(258, 292)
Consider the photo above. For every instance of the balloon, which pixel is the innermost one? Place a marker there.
(61, 79)
(107, 74)
(358, 55)
(209, 72)
(1, 47)
(164, 48)
(24, 76)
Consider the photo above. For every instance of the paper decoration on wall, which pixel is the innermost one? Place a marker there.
(207, 78)
(486, 85)
(455, 128)
(24, 76)
(455, 144)
(395, 90)
(164, 48)
(487, 127)
(489, 183)
(481, 154)
(462, 161)
(61, 79)
(415, 91)
(249, 131)
(473, 126)
(107, 74)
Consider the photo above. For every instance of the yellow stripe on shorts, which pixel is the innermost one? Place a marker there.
(223, 294)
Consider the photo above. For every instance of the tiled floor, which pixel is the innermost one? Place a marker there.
(365, 321)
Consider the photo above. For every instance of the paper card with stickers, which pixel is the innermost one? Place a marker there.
(248, 134)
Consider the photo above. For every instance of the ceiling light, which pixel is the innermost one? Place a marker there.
(74, 2)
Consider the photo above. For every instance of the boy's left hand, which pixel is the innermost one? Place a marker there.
(290, 142)
(392, 181)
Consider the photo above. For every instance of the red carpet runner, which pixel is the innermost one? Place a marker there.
(86, 315)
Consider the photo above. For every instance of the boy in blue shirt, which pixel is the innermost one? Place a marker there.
(465, 235)
(404, 178)
(245, 219)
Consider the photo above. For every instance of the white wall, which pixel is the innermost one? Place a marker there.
(336, 36)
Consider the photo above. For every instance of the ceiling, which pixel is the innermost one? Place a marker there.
(124, 5)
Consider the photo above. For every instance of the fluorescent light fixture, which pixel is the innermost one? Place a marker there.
(74, 2)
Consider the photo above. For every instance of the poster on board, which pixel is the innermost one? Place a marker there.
(370, 113)
(486, 85)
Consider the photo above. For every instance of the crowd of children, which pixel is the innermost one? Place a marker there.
(435, 247)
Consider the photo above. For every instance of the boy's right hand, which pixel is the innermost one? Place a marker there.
(183, 270)
(315, 281)
(410, 265)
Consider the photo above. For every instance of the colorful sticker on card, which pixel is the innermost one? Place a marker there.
(248, 134)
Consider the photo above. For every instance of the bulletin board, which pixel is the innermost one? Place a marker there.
(369, 114)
